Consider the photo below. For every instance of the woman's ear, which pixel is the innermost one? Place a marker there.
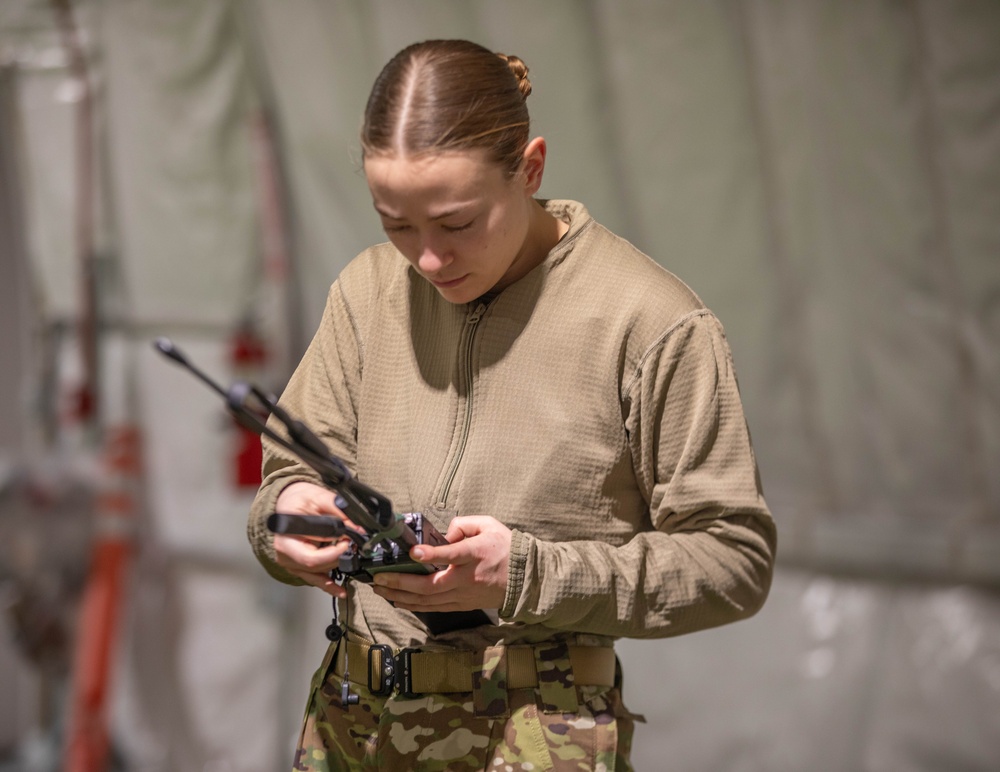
(533, 165)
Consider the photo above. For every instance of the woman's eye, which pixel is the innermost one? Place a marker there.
(395, 228)
(457, 228)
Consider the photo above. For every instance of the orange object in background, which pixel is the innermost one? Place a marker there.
(87, 743)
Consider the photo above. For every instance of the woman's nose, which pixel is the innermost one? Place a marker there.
(433, 257)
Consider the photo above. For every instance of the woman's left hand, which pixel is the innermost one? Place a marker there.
(476, 576)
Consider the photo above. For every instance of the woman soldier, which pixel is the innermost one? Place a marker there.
(560, 406)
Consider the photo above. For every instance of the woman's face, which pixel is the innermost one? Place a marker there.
(456, 217)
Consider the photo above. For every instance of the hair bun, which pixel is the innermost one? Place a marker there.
(520, 70)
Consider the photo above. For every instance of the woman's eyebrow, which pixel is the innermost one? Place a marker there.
(384, 213)
(450, 212)
(455, 210)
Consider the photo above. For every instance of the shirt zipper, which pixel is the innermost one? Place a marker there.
(472, 323)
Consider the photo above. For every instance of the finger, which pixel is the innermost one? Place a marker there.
(398, 586)
(461, 527)
(456, 553)
(294, 552)
(308, 549)
(435, 596)
(307, 498)
(323, 581)
(443, 591)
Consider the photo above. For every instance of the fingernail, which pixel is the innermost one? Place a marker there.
(418, 553)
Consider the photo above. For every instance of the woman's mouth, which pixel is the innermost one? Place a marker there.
(445, 284)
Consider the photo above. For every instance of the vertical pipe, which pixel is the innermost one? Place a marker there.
(84, 209)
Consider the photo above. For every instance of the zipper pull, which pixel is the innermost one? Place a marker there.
(476, 314)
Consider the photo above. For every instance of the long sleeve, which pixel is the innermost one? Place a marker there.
(322, 392)
(707, 558)
(608, 436)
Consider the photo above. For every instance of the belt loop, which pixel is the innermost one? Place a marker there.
(556, 685)
(489, 684)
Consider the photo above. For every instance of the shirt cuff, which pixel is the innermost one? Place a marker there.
(521, 546)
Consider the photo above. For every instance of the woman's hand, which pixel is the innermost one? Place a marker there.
(310, 558)
(476, 576)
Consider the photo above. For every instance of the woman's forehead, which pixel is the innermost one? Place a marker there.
(435, 180)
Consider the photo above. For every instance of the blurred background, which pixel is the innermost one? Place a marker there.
(826, 175)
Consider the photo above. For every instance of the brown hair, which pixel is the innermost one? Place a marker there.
(443, 95)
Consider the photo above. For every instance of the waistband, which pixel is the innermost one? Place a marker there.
(415, 671)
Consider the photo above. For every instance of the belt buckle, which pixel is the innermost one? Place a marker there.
(395, 672)
(404, 672)
(387, 670)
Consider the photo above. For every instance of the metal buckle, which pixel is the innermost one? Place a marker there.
(404, 672)
(394, 672)
(387, 670)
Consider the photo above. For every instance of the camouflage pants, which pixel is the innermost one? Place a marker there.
(533, 730)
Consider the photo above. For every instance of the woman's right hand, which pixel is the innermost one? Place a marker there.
(309, 558)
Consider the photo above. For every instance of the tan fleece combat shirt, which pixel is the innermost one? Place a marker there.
(591, 407)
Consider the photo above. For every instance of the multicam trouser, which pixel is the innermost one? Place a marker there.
(556, 726)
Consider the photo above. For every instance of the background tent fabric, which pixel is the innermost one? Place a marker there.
(825, 175)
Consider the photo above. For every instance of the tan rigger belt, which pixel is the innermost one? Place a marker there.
(440, 672)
